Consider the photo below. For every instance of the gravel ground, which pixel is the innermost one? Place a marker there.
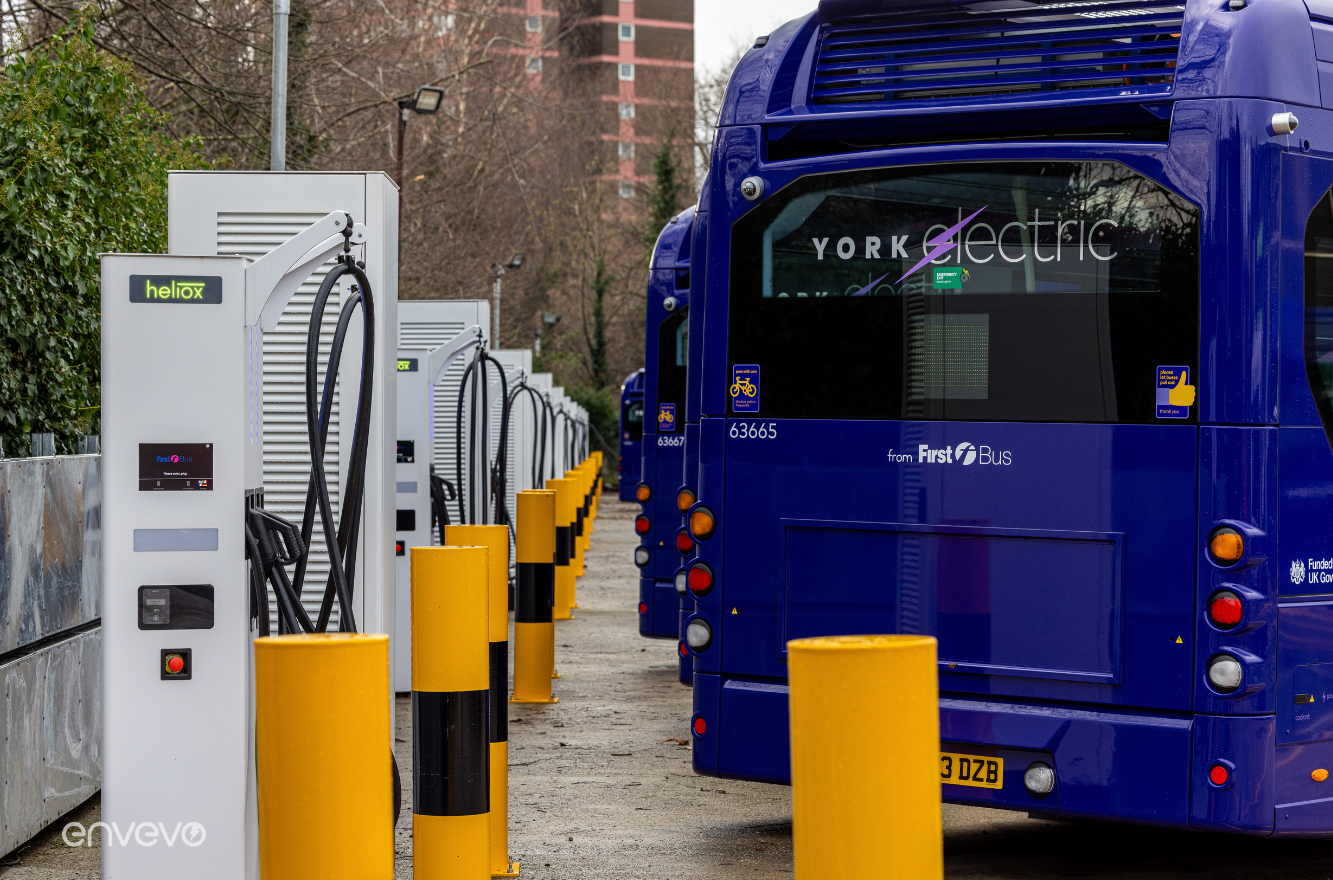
(601, 786)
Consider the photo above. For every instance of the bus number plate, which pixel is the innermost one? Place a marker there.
(971, 770)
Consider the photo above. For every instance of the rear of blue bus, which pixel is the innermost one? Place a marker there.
(992, 352)
(629, 461)
(665, 353)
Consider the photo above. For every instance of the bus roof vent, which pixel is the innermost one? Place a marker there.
(1122, 47)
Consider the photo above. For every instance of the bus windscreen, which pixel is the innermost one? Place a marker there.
(1033, 291)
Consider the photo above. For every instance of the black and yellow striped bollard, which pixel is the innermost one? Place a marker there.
(450, 693)
(496, 541)
(534, 631)
(565, 504)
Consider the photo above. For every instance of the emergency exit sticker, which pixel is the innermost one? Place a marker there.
(745, 388)
(666, 417)
(1175, 394)
(948, 278)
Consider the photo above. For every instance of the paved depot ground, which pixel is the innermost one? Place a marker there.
(601, 789)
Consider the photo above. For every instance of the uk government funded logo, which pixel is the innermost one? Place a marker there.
(964, 453)
(1312, 571)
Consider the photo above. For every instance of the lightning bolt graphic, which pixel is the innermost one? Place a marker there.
(941, 243)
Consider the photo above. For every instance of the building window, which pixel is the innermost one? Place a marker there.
(627, 33)
(626, 110)
(627, 149)
(626, 72)
(534, 24)
(627, 189)
(534, 66)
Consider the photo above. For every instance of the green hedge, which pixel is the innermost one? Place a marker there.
(84, 160)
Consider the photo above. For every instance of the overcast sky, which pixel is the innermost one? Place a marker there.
(722, 25)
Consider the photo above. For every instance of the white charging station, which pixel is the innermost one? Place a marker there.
(420, 371)
(182, 432)
(250, 213)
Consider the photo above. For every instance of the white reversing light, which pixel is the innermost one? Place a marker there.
(1039, 779)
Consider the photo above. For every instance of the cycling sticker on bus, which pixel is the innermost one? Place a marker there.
(745, 388)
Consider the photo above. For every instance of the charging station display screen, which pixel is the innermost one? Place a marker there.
(175, 467)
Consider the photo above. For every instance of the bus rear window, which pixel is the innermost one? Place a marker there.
(1319, 309)
(1051, 291)
(672, 345)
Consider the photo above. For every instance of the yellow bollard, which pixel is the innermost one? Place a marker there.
(877, 779)
(496, 541)
(564, 546)
(450, 690)
(320, 703)
(534, 633)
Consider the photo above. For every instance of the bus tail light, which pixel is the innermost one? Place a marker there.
(642, 556)
(684, 543)
(684, 650)
(1226, 546)
(1225, 673)
(699, 635)
(702, 524)
(699, 725)
(643, 607)
(642, 524)
(643, 492)
(1225, 609)
(700, 579)
(1218, 774)
(685, 500)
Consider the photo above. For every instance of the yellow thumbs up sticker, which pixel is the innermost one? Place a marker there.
(1175, 394)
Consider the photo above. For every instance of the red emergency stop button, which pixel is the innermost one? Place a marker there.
(176, 664)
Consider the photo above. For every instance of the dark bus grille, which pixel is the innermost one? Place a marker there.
(1111, 45)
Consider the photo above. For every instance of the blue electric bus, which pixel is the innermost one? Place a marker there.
(664, 358)
(1018, 331)
(629, 464)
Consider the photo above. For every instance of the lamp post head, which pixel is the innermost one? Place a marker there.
(428, 99)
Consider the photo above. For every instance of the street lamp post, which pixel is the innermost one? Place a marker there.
(277, 138)
(426, 101)
(515, 262)
(550, 319)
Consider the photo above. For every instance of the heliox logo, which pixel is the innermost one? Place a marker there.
(175, 289)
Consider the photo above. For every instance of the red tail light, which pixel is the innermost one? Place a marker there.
(643, 607)
(700, 725)
(641, 524)
(1218, 775)
(701, 579)
(1225, 609)
(684, 651)
(684, 543)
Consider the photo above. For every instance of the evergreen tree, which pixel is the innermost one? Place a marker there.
(83, 171)
(665, 199)
(597, 346)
